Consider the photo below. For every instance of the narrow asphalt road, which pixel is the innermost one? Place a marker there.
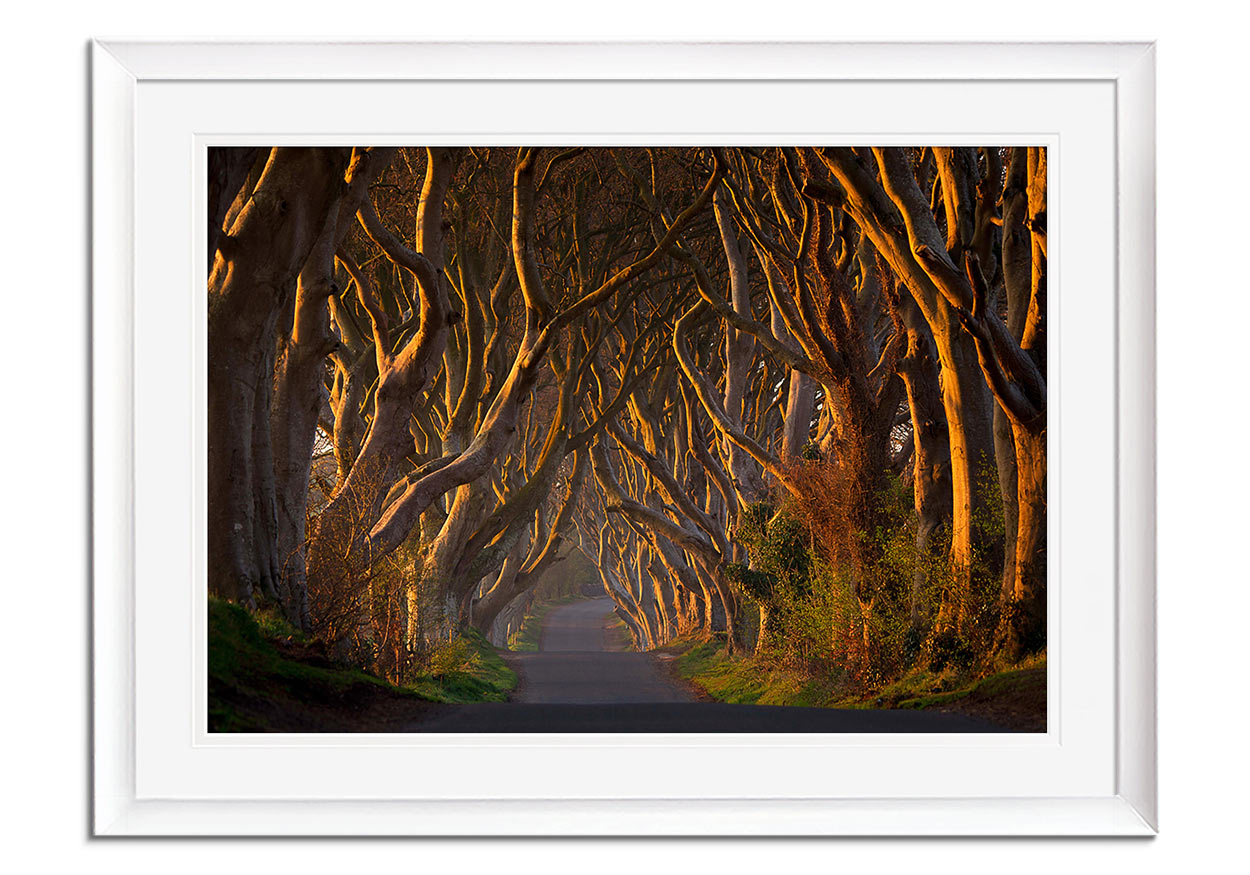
(582, 680)
(578, 665)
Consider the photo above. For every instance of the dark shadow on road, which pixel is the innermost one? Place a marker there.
(686, 717)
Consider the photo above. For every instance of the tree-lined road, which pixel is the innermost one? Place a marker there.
(576, 664)
(580, 682)
(674, 360)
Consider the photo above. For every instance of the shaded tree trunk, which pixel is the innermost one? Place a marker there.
(299, 390)
(251, 282)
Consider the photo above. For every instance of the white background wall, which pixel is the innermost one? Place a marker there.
(1204, 320)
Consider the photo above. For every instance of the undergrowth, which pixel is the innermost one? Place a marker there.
(762, 680)
(263, 675)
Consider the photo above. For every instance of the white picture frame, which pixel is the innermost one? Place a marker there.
(156, 105)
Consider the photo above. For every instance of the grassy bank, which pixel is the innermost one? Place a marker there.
(468, 669)
(1014, 698)
(265, 677)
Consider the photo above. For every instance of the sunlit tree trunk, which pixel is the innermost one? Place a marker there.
(931, 465)
(340, 553)
(895, 214)
(1024, 608)
(739, 360)
(1017, 261)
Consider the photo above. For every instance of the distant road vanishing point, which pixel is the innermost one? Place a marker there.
(581, 680)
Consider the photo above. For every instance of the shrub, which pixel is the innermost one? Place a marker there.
(855, 605)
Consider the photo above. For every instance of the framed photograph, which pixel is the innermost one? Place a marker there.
(623, 438)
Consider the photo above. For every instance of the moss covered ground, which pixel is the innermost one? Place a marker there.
(1013, 697)
(265, 677)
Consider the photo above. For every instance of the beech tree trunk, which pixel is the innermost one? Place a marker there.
(253, 278)
(340, 553)
(1023, 609)
(1017, 258)
(739, 357)
(931, 461)
(896, 217)
(299, 390)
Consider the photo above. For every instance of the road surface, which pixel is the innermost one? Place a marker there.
(574, 665)
(581, 681)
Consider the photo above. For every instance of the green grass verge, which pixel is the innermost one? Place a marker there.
(924, 689)
(264, 676)
(1014, 697)
(746, 680)
(468, 669)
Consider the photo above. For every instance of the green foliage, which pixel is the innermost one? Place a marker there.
(745, 680)
(263, 676)
(757, 585)
(987, 516)
(950, 649)
(1015, 697)
(812, 604)
(466, 669)
(274, 626)
(250, 682)
(1023, 679)
(752, 680)
(780, 576)
(856, 619)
